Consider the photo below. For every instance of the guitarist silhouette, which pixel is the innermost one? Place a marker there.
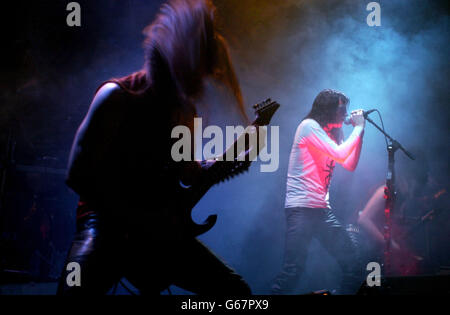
(134, 217)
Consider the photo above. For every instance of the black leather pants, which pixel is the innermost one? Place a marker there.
(302, 225)
(108, 252)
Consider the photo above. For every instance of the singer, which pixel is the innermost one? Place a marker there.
(318, 144)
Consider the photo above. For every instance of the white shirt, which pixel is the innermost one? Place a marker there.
(311, 164)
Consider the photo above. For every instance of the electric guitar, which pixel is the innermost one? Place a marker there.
(220, 169)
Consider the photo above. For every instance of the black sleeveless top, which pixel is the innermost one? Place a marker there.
(121, 165)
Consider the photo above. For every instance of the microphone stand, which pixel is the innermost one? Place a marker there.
(389, 193)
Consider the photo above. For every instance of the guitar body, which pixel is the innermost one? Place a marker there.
(185, 203)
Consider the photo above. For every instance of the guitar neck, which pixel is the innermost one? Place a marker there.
(231, 162)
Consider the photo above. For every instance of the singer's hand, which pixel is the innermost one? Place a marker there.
(357, 118)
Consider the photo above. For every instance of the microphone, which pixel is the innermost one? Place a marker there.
(348, 119)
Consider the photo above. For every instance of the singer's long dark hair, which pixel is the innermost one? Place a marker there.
(324, 110)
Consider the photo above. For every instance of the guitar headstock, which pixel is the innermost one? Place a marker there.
(264, 112)
(223, 170)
